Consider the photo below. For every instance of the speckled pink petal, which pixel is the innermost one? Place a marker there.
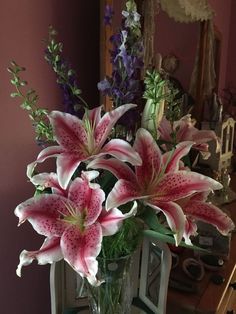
(171, 159)
(88, 200)
(118, 168)
(66, 165)
(44, 213)
(202, 196)
(94, 115)
(48, 152)
(68, 130)
(122, 193)
(203, 136)
(174, 186)
(151, 157)
(211, 214)
(122, 151)
(165, 130)
(49, 180)
(190, 229)
(49, 252)
(51, 151)
(89, 175)
(112, 219)
(174, 216)
(80, 249)
(107, 122)
(183, 130)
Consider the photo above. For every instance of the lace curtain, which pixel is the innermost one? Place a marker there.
(187, 11)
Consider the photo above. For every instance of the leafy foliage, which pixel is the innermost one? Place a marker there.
(37, 115)
(125, 241)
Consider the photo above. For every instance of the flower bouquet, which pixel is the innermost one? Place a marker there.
(110, 187)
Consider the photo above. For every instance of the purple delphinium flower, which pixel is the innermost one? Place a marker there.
(67, 81)
(109, 12)
(131, 18)
(124, 85)
(66, 77)
(104, 85)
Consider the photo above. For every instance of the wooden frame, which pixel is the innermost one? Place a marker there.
(105, 46)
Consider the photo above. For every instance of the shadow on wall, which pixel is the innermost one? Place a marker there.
(24, 24)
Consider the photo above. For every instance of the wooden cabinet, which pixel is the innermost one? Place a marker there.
(209, 298)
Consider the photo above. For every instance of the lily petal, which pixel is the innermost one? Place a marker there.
(172, 158)
(107, 122)
(211, 214)
(165, 130)
(174, 186)
(49, 252)
(203, 136)
(86, 199)
(112, 219)
(94, 116)
(122, 150)
(44, 213)
(189, 230)
(123, 192)
(174, 215)
(80, 250)
(48, 152)
(202, 196)
(48, 180)
(118, 168)
(151, 156)
(68, 130)
(67, 163)
(89, 175)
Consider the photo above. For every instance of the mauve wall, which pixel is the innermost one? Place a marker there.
(23, 26)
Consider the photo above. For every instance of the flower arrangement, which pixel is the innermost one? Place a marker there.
(108, 191)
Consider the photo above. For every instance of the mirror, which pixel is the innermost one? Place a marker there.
(179, 40)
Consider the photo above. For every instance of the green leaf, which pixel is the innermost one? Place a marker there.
(14, 81)
(10, 70)
(57, 58)
(13, 95)
(150, 218)
(171, 240)
(77, 92)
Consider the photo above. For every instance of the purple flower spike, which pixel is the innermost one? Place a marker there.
(108, 14)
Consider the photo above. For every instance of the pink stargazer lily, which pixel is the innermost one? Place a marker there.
(197, 208)
(80, 140)
(185, 130)
(73, 225)
(158, 182)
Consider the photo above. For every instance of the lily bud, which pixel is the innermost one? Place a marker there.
(152, 115)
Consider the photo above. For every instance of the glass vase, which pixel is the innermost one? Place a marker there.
(114, 295)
